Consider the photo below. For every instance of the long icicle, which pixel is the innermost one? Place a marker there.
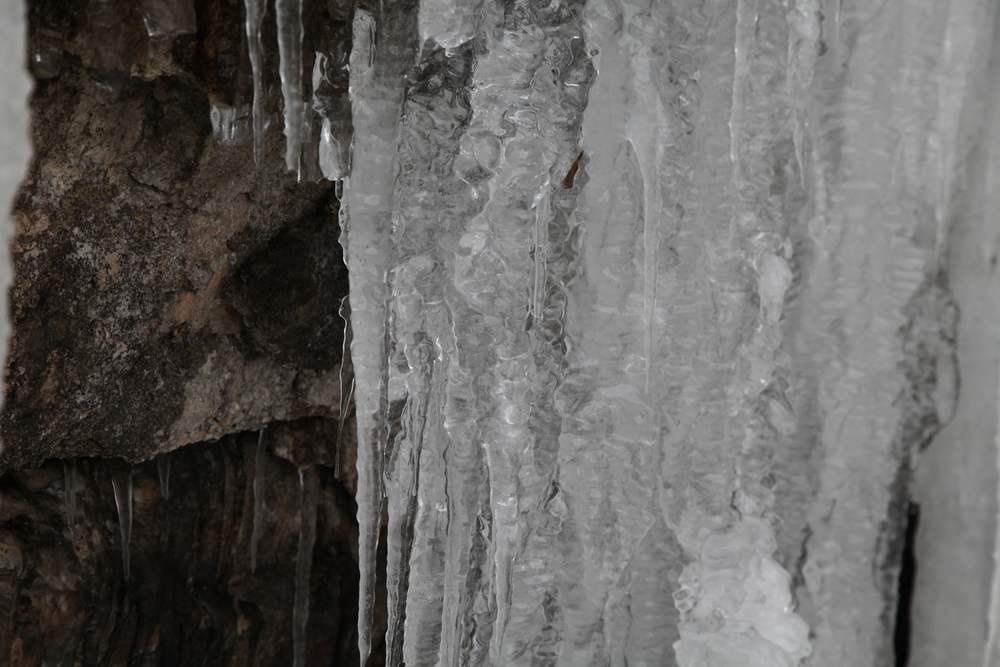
(259, 463)
(163, 472)
(121, 481)
(255, 11)
(289, 19)
(377, 80)
(345, 394)
(69, 483)
(309, 487)
(339, 461)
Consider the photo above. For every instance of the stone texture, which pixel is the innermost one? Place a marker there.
(191, 598)
(168, 291)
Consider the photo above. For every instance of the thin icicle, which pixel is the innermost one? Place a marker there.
(644, 128)
(121, 481)
(230, 124)
(345, 399)
(340, 430)
(289, 19)
(260, 461)
(309, 486)
(542, 214)
(746, 22)
(838, 14)
(169, 18)
(803, 50)
(255, 10)
(333, 148)
(69, 484)
(163, 470)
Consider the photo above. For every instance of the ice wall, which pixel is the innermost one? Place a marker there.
(655, 308)
(956, 606)
(15, 146)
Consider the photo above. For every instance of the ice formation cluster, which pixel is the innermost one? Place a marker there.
(632, 284)
(651, 312)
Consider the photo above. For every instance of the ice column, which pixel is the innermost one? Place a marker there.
(383, 48)
(289, 20)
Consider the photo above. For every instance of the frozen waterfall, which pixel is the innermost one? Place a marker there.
(654, 310)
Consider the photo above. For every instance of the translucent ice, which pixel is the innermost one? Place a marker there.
(377, 64)
(163, 472)
(230, 125)
(259, 482)
(255, 12)
(70, 473)
(169, 18)
(289, 20)
(309, 487)
(121, 481)
(632, 286)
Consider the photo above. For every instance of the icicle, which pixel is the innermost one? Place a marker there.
(309, 486)
(746, 23)
(376, 89)
(230, 125)
(803, 50)
(345, 394)
(838, 14)
(333, 149)
(121, 481)
(169, 18)
(69, 484)
(289, 18)
(163, 470)
(255, 10)
(542, 214)
(260, 461)
(340, 429)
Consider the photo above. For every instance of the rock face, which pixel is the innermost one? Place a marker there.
(192, 597)
(169, 291)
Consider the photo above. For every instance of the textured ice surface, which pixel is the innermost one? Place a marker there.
(651, 320)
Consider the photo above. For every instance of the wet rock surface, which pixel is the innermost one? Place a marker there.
(192, 597)
(168, 290)
(172, 301)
